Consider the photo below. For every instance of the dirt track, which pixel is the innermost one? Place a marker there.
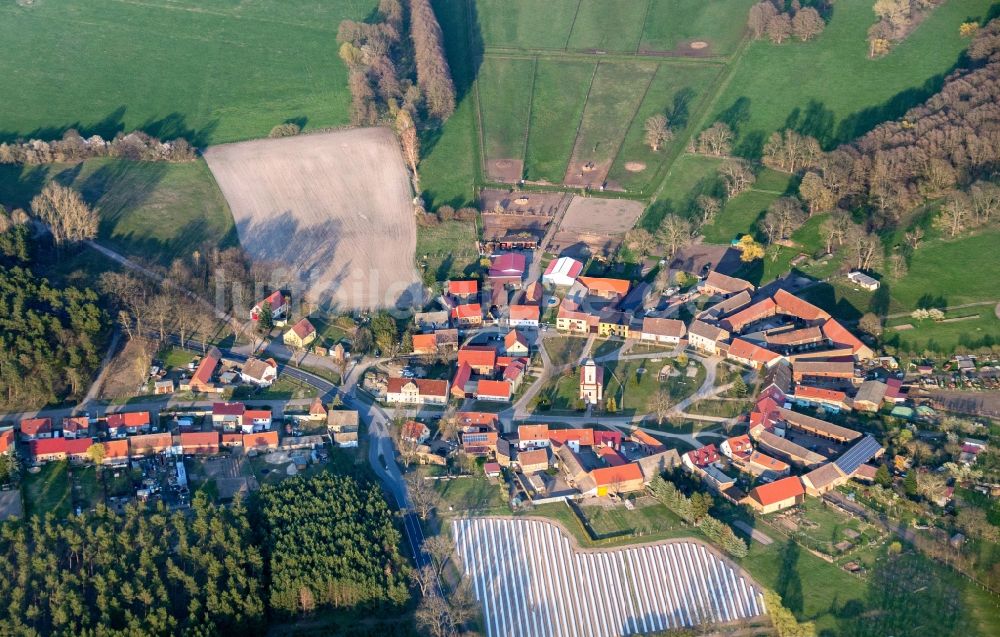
(334, 209)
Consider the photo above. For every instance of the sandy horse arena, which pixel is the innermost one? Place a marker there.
(594, 225)
(332, 209)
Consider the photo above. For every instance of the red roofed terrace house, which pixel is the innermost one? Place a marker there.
(507, 269)
(279, 307)
(128, 424)
(467, 315)
(36, 428)
(75, 427)
(48, 449)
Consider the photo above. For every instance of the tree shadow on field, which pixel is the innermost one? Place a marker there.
(681, 108)
(789, 584)
(175, 125)
(107, 127)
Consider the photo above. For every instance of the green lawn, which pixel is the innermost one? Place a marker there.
(828, 88)
(615, 95)
(472, 494)
(982, 329)
(525, 24)
(447, 250)
(564, 350)
(211, 71)
(676, 90)
(505, 99)
(608, 26)
(740, 214)
(156, 211)
(559, 95)
(633, 389)
(688, 177)
(942, 272)
(48, 491)
(448, 164)
(283, 389)
(722, 408)
(87, 490)
(672, 24)
(648, 521)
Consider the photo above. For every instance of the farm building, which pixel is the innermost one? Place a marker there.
(201, 381)
(870, 395)
(705, 336)
(863, 281)
(723, 285)
(778, 495)
(562, 272)
(662, 330)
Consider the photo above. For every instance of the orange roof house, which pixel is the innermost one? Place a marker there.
(115, 451)
(810, 394)
(498, 390)
(6, 440)
(576, 438)
(523, 314)
(620, 479)
(36, 427)
(425, 343)
(199, 442)
(749, 354)
(756, 312)
(840, 335)
(149, 443)
(462, 377)
(470, 314)
(605, 287)
(481, 358)
(477, 419)
(463, 288)
(792, 305)
(201, 381)
(261, 440)
(777, 495)
(533, 436)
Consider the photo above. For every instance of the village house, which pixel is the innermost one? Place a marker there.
(697, 459)
(726, 306)
(163, 387)
(75, 427)
(261, 373)
(301, 334)
(823, 479)
(416, 391)
(479, 443)
(279, 307)
(482, 359)
(516, 344)
(463, 291)
(149, 444)
(737, 448)
(736, 323)
(447, 340)
(562, 272)
(835, 369)
(467, 315)
(662, 330)
(625, 478)
(574, 322)
(532, 436)
(494, 390)
(199, 442)
(425, 344)
(317, 410)
(461, 384)
(762, 465)
(116, 452)
(807, 395)
(130, 423)
(415, 432)
(591, 383)
(36, 428)
(609, 289)
(613, 323)
(532, 294)
(523, 316)
(228, 416)
(261, 441)
(816, 426)
(705, 336)
(646, 443)
(7, 438)
(42, 450)
(514, 373)
(778, 495)
(533, 460)
(754, 356)
(720, 284)
(840, 336)
(201, 381)
(255, 420)
(343, 426)
(863, 281)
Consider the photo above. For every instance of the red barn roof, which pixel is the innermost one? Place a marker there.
(606, 476)
(463, 288)
(778, 491)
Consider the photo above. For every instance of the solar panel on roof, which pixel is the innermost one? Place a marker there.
(857, 455)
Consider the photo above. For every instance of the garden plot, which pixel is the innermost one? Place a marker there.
(531, 581)
(334, 210)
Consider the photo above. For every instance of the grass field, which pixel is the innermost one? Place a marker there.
(740, 214)
(608, 26)
(447, 250)
(671, 24)
(675, 91)
(560, 91)
(211, 71)
(564, 350)
(505, 86)
(688, 177)
(48, 491)
(156, 211)
(523, 24)
(979, 326)
(828, 88)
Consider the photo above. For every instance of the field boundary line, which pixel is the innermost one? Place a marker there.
(699, 119)
(631, 121)
(480, 148)
(572, 25)
(527, 121)
(642, 27)
(579, 125)
(614, 56)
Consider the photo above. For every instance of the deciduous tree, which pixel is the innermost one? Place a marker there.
(674, 234)
(807, 24)
(657, 131)
(738, 176)
(66, 214)
(717, 140)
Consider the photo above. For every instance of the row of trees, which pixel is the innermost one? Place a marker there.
(330, 542)
(73, 147)
(896, 20)
(140, 573)
(50, 336)
(695, 510)
(433, 73)
(768, 19)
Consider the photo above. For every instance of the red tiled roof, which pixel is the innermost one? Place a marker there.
(262, 439)
(477, 419)
(424, 342)
(257, 414)
(462, 288)
(605, 286)
(524, 312)
(199, 439)
(703, 455)
(646, 439)
(494, 388)
(35, 426)
(778, 491)
(6, 440)
(477, 356)
(610, 456)
(790, 304)
(893, 388)
(275, 300)
(663, 327)
(585, 437)
(508, 264)
(533, 432)
(533, 457)
(129, 419)
(808, 392)
(513, 337)
(740, 445)
(769, 463)
(606, 476)
(207, 367)
(841, 336)
(232, 439)
(228, 409)
(462, 376)
(757, 311)
(152, 442)
(413, 430)
(533, 294)
(613, 438)
(303, 328)
(116, 449)
(425, 386)
(726, 283)
(69, 446)
(748, 351)
(467, 311)
(566, 313)
(75, 423)
(513, 370)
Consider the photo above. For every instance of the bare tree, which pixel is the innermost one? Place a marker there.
(161, 308)
(410, 142)
(914, 237)
(674, 234)
(898, 265)
(640, 241)
(955, 214)
(439, 548)
(807, 24)
(864, 249)
(985, 199)
(738, 176)
(657, 131)
(783, 217)
(129, 293)
(432, 616)
(834, 230)
(64, 211)
(717, 140)
(779, 28)
(816, 194)
(659, 406)
(709, 206)
(789, 151)
(760, 14)
(422, 494)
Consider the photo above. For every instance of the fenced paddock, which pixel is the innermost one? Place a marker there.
(531, 580)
